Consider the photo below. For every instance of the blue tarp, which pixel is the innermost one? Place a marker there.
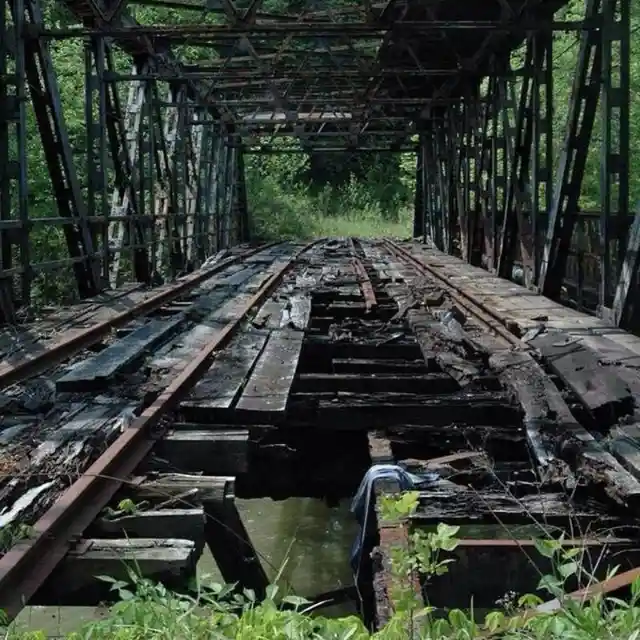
(361, 505)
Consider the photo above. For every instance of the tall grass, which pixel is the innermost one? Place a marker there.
(283, 207)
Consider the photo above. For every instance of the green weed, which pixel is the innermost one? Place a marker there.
(149, 611)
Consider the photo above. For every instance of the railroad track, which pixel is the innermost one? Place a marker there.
(313, 358)
(27, 564)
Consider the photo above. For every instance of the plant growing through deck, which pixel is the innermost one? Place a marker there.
(148, 610)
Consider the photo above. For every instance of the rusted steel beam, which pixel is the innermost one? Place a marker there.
(470, 577)
(316, 29)
(606, 587)
(366, 287)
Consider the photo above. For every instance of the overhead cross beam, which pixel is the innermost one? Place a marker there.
(469, 89)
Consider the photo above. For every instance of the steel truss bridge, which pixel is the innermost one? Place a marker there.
(158, 184)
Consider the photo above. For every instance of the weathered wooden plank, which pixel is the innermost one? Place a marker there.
(182, 522)
(459, 369)
(372, 382)
(599, 388)
(98, 370)
(624, 444)
(175, 487)
(60, 451)
(540, 400)
(221, 385)
(240, 277)
(465, 506)
(267, 391)
(552, 427)
(76, 582)
(616, 357)
(188, 345)
(378, 411)
(208, 452)
(297, 312)
(270, 315)
(433, 335)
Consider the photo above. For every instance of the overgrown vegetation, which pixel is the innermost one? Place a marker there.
(148, 611)
(287, 203)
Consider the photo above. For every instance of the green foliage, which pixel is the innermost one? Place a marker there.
(13, 533)
(284, 203)
(149, 611)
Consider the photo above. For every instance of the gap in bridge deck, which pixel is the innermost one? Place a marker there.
(392, 375)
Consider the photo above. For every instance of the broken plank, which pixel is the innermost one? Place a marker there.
(237, 279)
(97, 371)
(208, 452)
(624, 444)
(459, 369)
(182, 522)
(267, 391)
(461, 506)
(431, 334)
(552, 418)
(270, 315)
(297, 312)
(165, 487)
(599, 388)
(543, 406)
(60, 452)
(378, 411)
(221, 385)
(75, 581)
(371, 382)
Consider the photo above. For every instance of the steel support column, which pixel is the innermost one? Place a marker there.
(419, 226)
(582, 112)
(542, 152)
(13, 165)
(614, 167)
(47, 107)
(96, 128)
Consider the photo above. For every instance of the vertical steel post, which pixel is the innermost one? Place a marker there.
(542, 153)
(581, 118)
(614, 158)
(13, 163)
(96, 127)
(418, 205)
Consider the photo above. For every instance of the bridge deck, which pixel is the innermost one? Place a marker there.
(521, 309)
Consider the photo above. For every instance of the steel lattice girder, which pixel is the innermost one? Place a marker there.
(371, 79)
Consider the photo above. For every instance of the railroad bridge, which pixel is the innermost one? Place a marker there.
(495, 350)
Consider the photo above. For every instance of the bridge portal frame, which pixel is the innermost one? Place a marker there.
(162, 185)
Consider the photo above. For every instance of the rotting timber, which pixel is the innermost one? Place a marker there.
(358, 356)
